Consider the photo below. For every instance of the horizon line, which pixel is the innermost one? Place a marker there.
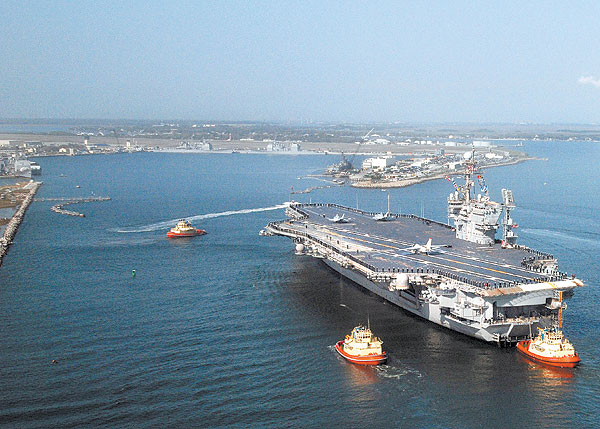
(298, 121)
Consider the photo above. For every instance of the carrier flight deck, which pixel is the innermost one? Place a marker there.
(385, 245)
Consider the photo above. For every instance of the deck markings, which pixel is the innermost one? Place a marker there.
(420, 261)
(475, 274)
(449, 259)
(513, 267)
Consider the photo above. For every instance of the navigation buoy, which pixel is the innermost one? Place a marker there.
(132, 273)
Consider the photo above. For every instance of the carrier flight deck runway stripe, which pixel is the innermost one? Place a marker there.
(472, 258)
(449, 267)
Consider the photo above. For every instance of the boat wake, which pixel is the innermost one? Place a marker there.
(169, 223)
(568, 237)
(385, 370)
(388, 371)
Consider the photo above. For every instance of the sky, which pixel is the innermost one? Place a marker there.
(352, 61)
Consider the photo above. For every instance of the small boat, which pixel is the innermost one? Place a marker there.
(550, 347)
(184, 229)
(361, 347)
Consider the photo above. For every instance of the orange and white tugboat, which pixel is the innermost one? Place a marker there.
(361, 347)
(184, 229)
(550, 346)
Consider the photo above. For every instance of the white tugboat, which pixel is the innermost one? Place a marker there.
(550, 345)
(362, 347)
(184, 229)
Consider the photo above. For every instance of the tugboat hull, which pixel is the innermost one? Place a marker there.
(360, 360)
(563, 362)
(172, 234)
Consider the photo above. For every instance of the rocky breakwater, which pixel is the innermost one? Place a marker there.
(58, 208)
(15, 221)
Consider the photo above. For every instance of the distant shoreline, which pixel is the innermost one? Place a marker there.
(234, 151)
(242, 146)
(409, 182)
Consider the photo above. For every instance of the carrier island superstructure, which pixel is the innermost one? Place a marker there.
(464, 278)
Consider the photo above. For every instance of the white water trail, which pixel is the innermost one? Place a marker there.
(389, 371)
(172, 222)
(560, 235)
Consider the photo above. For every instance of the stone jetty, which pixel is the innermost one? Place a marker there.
(58, 208)
(15, 221)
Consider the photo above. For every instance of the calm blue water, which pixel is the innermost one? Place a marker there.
(233, 329)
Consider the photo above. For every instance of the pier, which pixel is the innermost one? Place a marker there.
(313, 188)
(15, 221)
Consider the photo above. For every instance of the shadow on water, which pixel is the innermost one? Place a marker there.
(423, 356)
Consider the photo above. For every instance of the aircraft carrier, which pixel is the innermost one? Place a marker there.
(461, 277)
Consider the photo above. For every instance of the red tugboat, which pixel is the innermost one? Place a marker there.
(184, 229)
(361, 347)
(550, 346)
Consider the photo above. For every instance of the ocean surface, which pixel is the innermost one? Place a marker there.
(233, 329)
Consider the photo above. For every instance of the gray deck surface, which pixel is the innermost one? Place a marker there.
(388, 241)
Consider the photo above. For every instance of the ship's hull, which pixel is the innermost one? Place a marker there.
(563, 362)
(360, 360)
(430, 312)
